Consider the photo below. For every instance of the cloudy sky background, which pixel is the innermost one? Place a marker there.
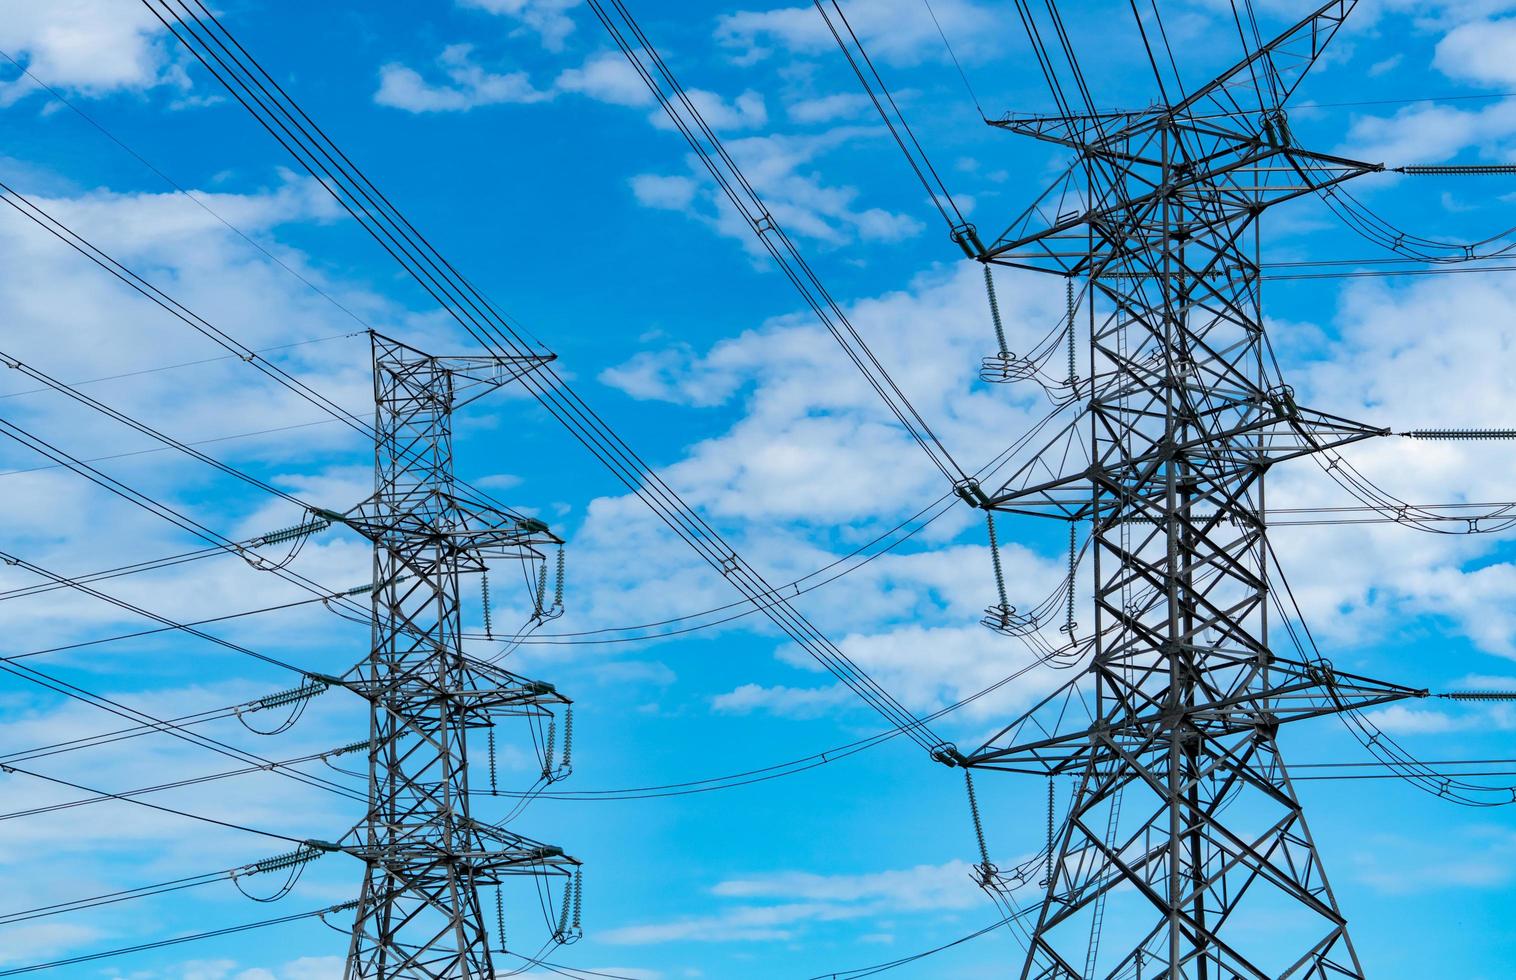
(513, 134)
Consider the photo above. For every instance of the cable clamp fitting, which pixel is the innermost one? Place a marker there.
(966, 236)
(947, 753)
(972, 493)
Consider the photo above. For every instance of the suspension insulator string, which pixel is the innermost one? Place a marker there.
(568, 738)
(547, 754)
(494, 778)
(984, 853)
(1069, 625)
(499, 919)
(541, 589)
(1048, 882)
(558, 584)
(1068, 289)
(1005, 606)
(563, 916)
(578, 899)
(989, 288)
(484, 599)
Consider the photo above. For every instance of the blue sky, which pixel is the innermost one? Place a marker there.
(511, 132)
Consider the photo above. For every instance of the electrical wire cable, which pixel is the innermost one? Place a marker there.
(867, 971)
(207, 39)
(175, 941)
(111, 706)
(124, 798)
(915, 154)
(764, 773)
(686, 117)
(180, 722)
(132, 794)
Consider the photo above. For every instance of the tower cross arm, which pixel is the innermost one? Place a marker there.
(1275, 86)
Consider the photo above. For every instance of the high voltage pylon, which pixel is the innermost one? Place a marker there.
(1184, 842)
(419, 913)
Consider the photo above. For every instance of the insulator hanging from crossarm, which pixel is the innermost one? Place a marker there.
(558, 584)
(986, 869)
(1068, 288)
(1051, 800)
(484, 602)
(494, 776)
(571, 914)
(989, 520)
(563, 916)
(989, 288)
(499, 920)
(547, 752)
(541, 597)
(1069, 626)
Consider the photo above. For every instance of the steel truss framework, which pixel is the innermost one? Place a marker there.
(1183, 815)
(419, 913)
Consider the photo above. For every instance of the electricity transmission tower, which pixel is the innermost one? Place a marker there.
(1185, 843)
(419, 913)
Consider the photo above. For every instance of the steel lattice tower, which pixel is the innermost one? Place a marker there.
(419, 912)
(1185, 843)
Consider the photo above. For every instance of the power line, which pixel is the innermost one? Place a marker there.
(180, 189)
(184, 364)
(868, 971)
(257, 91)
(125, 798)
(176, 941)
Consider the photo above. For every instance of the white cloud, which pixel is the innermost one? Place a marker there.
(671, 193)
(93, 47)
(1431, 133)
(547, 18)
(1386, 368)
(788, 702)
(806, 899)
(814, 450)
(780, 167)
(893, 31)
(607, 77)
(1401, 720)
(1473, 857)
(1482, 51)
(924, 887)
(469, 85)
(829, 108)
(305, 968)
(746, 111)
